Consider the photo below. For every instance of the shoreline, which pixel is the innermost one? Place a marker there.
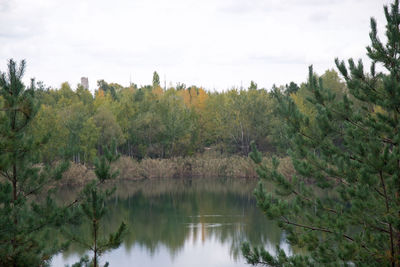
(178, 167)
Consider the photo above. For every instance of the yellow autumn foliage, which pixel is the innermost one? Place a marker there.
(194, 97)
(158, 91)
(305, 108)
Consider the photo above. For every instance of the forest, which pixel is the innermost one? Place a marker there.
(155, 122)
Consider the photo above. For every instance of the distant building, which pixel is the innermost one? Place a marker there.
(85, 82)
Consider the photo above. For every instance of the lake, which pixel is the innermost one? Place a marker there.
(183, 222)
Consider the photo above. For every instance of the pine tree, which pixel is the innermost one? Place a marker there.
(93, 207)
(24, 220)
(291, 88)
(343, 205)
(156, 80)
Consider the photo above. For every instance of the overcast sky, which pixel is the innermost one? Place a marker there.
(216, 44)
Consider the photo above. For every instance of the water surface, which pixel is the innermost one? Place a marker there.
(183, 222)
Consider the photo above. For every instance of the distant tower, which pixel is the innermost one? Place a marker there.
(85, 82)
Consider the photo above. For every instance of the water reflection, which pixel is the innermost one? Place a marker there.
(174, 222)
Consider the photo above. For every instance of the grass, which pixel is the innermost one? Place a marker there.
(201, 165)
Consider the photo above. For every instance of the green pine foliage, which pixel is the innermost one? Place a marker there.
(343, 205)
(93, 207)
(25, 221)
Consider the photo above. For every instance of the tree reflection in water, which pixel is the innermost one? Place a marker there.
(176, 213)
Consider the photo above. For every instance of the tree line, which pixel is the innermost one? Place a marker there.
(155, 122)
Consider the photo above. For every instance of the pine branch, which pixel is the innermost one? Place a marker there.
(312, 228)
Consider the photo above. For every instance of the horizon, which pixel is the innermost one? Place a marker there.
(214, 45)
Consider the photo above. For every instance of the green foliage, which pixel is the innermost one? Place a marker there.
(93, 208)
(343, 204)
(108, 128)
(108, 88)
(151, 122)
(292, 88)
(253, 86)
(103, 169)
(260, 256)
(24, 220)
(156, 80)
(236, 117)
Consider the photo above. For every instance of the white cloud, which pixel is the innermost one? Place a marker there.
(217, 44)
